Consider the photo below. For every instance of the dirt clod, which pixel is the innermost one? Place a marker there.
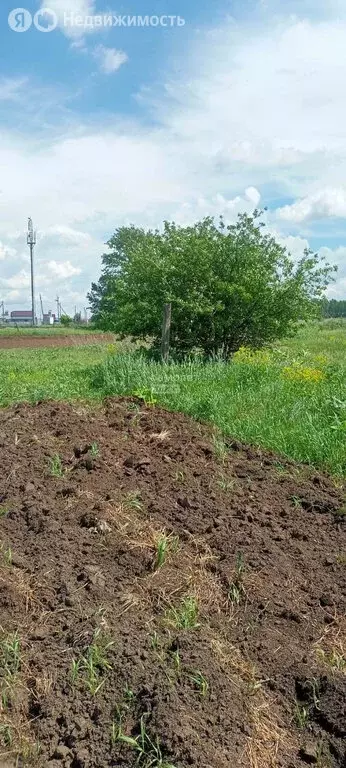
(309, 753)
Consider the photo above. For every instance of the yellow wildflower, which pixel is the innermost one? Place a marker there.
(295, 373)
(320, 359)
(250, 357)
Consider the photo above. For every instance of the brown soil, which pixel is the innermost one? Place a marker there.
(72, 340)
(256, 550)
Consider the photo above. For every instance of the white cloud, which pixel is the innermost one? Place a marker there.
(253, 195)
(6, 252)
(65, 236)
(244, 116)
(109, 59)
(62, 269)
(12, 296)
(325, 204)
(337, 290)
(295, 245)
(217, 205)
(20, 280)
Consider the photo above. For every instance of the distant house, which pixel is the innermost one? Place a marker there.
(49, 318)
(21, 316)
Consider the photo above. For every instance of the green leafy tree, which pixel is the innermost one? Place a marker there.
(65, 320)
(229, 286)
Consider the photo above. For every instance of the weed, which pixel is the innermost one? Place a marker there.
(176, 661)
(315, 692)
(133, 501)
(9, 666)
(149, 751)
(185, 615)
(280, 469)
(75, 670)
(301, 712)
(93, 665)
(155, 641)
(94, 450)
(7, 554)
(133, 407)
(6, 735)
(200, 682)
(236, 590)
(55, 466)
(235, 594)
(4, 510)
(29, 752)
(334, 659)
(146, 394)
(179, 476)
(296, 501)
(226, 484)
(301, 715)
(323, 757)
(255, 685)
(220, 448)
(161, 551)
(164, 545)
(129, 695)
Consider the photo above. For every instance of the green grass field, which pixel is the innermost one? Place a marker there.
(291, 398)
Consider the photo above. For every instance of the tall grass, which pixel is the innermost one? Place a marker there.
(253, 400)
(291, 399)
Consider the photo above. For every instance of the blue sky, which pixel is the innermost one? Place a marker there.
(241, 106)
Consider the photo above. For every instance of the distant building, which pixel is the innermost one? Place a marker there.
(21, 316)
(49, 318)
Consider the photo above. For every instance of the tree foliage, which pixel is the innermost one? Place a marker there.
(65, 320)
(333, 308)
(229, 285)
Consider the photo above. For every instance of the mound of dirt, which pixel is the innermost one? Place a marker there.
(166, 599)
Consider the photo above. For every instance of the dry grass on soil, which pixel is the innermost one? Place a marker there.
(166, 599)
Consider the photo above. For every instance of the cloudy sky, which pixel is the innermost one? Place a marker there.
(241, 106)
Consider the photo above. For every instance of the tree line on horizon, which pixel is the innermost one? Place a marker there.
(333, 308)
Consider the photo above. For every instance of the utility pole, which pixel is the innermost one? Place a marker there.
(31, 240)
(42, 312)
(58, 307)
